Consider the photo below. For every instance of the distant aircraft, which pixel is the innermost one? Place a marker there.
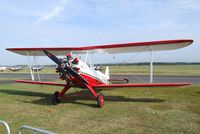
(37, 68)
(2, 69)
(15, 68)
(77, 73)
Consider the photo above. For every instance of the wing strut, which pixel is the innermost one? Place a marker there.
(37, 66)
(86, 57)
(30, 67)
(151, 65)
(35, 63)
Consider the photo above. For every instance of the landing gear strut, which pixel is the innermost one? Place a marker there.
(99, 98)
(56, 98)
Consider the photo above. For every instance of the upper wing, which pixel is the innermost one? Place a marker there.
(111, 48)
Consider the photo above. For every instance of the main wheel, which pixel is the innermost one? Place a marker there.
(100, 100)
(56, 98)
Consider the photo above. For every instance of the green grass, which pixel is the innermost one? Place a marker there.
(126, 110)
(176, 70)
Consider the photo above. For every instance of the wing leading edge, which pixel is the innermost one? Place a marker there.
(110, 49)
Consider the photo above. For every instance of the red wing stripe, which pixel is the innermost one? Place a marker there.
(40, 82)
(163, 42)
(141, 85)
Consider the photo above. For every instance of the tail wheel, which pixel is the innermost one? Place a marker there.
(100, 100)
(56, 98)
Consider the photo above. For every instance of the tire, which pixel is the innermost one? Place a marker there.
(100, 100)
(55, 98)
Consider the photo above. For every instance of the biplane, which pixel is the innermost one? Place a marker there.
(77, 73)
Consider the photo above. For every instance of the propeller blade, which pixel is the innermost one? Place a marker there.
(53, 57)
(56, 60)
(68, 69)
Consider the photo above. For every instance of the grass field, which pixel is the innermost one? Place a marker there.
(178, 70)
(127, 110)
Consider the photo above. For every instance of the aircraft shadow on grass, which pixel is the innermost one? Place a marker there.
(73, 98)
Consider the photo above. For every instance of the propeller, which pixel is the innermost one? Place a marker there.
(64, 68)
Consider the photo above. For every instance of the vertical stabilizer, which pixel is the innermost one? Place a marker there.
(107, 75)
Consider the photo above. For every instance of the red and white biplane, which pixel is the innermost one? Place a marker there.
(78, 73)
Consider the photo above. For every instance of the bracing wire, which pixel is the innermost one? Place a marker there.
(134, 56)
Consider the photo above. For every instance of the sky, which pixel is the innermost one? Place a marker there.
(57, 23)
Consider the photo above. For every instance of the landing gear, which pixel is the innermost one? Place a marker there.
(56, 98)
(100, 100)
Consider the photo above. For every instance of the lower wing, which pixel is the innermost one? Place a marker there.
(109, 85)
(40, 82)
(141, 85)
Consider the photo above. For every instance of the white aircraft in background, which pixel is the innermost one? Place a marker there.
(3, 68)
(37, 68)
(15, 68)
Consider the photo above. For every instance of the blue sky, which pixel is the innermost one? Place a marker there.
(51, 23)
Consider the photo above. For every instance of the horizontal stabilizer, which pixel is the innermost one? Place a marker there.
(118, 81)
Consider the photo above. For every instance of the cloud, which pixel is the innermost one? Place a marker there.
(53, 13)
(91, 22)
